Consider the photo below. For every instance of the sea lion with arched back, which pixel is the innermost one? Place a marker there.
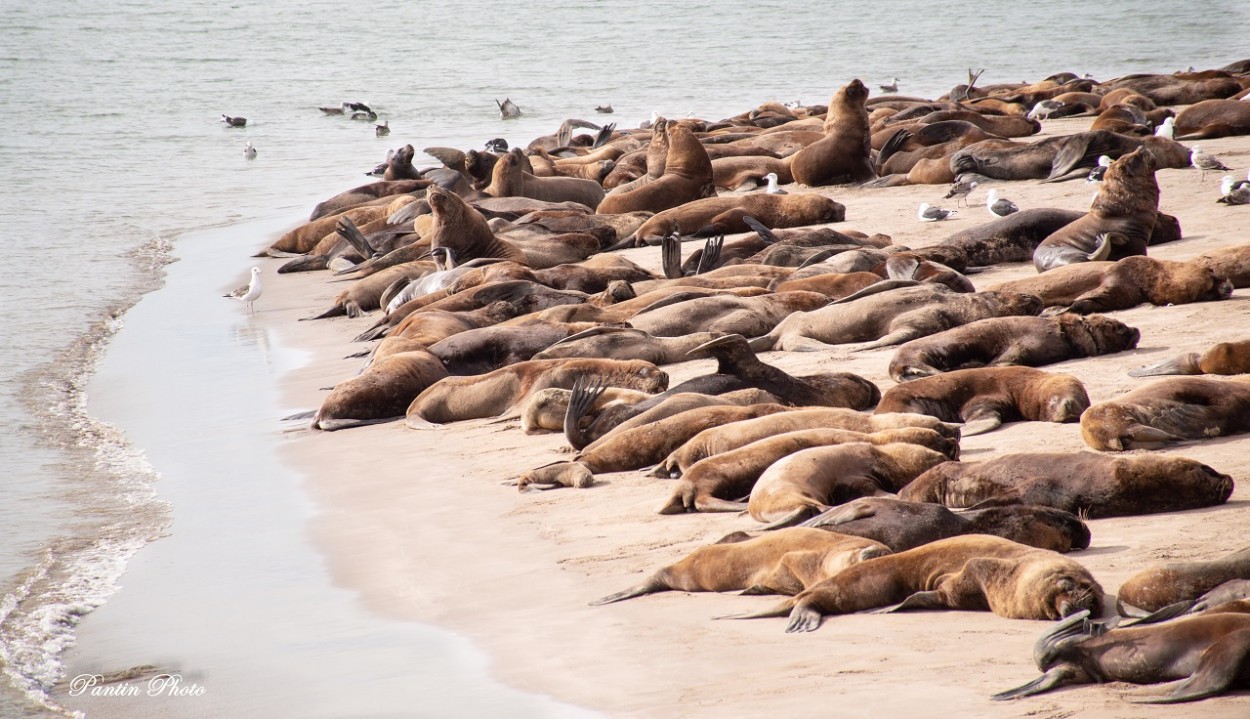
(844, 154)
(1224, 358)
(1088, 287)
(687, 176)
(1169, 410)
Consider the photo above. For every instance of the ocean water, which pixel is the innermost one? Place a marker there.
(113, 149)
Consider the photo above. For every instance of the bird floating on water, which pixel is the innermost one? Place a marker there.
(507, 109)
(772, 185)
(892, 87)
(605, 109)
(382, 130)
(249, 152)
(928, 213)
(1095, 175)
(1205, 162)
(248, 293)
(1165, 128)
(234, 121)
(497, 145)
(960, 190)
(999, 206)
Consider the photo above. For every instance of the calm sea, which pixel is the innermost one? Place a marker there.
(113, 146)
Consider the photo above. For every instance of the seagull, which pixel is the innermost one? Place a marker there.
(234, 121)
(605, 109)
(334, 110)
(772, 185)
(1095, 175)
(382, 130)
(249, 152)
(1044, 109)
(960, 190)
(1236, 195)
(248, 293)
(1165, 128)
(933, 214)
(507, 109)
(892, 87)
(1204, 162)
(497, 145)
(999, 207)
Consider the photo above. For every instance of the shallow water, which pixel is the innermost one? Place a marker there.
(113, 147)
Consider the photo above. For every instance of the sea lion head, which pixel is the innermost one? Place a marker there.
(1015, 303)
(854, 92)
(1062, 398)
(1109, 335)
(1053, 587)
(1137, 163)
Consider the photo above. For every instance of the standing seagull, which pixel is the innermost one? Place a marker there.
(772, 185)
(961, 190)
(1165, 128)
(1095, 175)
(382, 130)
(999, 207)
(892, 87)
(249, 293)
(1204, 162)
(926, 213)
(507, 109)
(234, 121)
(249, 152)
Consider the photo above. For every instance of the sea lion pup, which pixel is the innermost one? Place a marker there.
(712, 216)
(891, 317)
(732, 436)
(726, 313)
(458, 398)
(845, 153)
(804, 484)
(1169, 410)
(985, 397)
(782, 562)
(628, 343)
(485, 349)
(902, 525)
(1207, 654)
(545, 409)
(973, 572)
(1119, 223)
(1166, 584)
(1088, 287)
(712, 484)
(687, 176)
(1224, 358)
(1213, 118)
(1002, 341)
(510, 178)
(1093, 485)
(381, 393)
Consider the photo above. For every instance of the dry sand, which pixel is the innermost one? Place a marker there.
(420, 525)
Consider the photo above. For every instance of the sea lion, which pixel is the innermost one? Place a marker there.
(1169, 410)
(381, 393)
(724, 215)
(1228, 263)
(641, 166)
(974, 572)
(1062, 157)
(891, 317)
(730, 314)
(365, 295)
(1179, 89)
(628, 343)
(545, 409)
(510, 178)
(985, 397)
(305, 238)
(1124, 119)
(1233, 595)
(459, 398)
(1213, 118)
(485, 349)
(1119, 223)
(733, 172)
(464, 231)
(1085, 483)
(1007, 239)
(1207, 655)
(1088, 287)
(801, 485)
(1224, 358)
(782, 562)
(1163, 585)
(1001, 341)
(902, 525)
(365, 193)
(844, 154)
(687, 176)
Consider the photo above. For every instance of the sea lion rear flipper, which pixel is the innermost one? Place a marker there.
(841, 515)
(1128, 610)
(795, 517)
(1184, 364)
(581, 400)
(981, 425)
(1143, 437)
(1171, 611)
(1073, 153)
(711, 254)
(892, 145)
(902, 266)
(605, 134)
(348, 231)
(652, 585)
(305, 263)
(1054, 678)
(875, 288)
(713, 504)
(1217, 671)
(919, 600)
(299, 415)
(670, 256)
(758, 227)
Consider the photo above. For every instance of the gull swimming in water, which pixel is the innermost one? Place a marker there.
(892, 87)
(497, 145)
(960, 190)
(1205, 162)
(1095, 175)
(382, 130)
(248, 293)
(234, 121)
(927, 213)
(605, 109)
(999, 207)
(249, 152)
(507, 109)
(772, 185)
(1165, 128)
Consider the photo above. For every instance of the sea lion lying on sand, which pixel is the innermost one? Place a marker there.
(1169, 410)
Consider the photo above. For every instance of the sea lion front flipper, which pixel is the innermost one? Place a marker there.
(981, 425)
(796, 516)
(758, 227)
(449, 156)
(902, 266)
(1217, 671)
(583, 397)
(352, 234)
(804, 619)
(670, 256)
(1184, 364)
(711, 254)
(1056, 677)
(875, 288)
(1143, 437)
(1073, 153)
(605, 134)
(919, 600)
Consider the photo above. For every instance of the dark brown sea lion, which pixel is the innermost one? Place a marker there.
(1208, 655)
(782, 562)
(1179, 89)
(1213, 118)
(1088, 287)
(459, 398)
(723, 215)
(986, 397)
(1008, 239)
(1119, 223)
(902, 525)
(365, 193)
(974, 572)
(486, 349)
(1160, 586)
(1092, 485)
(1061, 157)
(844, 154)
(381, 393)
(1124, 119)
(726, 313)
(1232, 595)
(1169, 410)
(687, 176)
(1001, 341)
(891, 317)
(1223, 358)
(510, 178)
(801, 485)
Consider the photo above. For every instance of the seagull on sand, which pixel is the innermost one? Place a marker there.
(1095, 175)
(234, 121)
(927, 213)
(892, 87)
(1234, 192)
(1165, 128)
(1204, 162)
(999, 207)
(249, 152)
(248, 293)
(960, 190)
(772, 185)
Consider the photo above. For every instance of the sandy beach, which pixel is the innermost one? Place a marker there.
(419, 525)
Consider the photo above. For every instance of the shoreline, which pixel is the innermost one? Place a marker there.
(417, 524)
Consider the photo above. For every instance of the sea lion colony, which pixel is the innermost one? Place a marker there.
(528, 310)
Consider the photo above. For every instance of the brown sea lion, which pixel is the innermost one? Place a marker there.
(649, 162)
(1228, 263)
(891, 317)
(463, 230)
(1008, 239)
(459, 398)
(1124, 119)
(1001, 341)
(1213, 118)
(365, 193)
(1179, 89)
(1088, 287)
(486, 349)
(1232, 595)
(723, 215)
(381, 393)
(306, 237)
(687, 176)
(782, 562)
(1160, 586)
(974, 572)
(985, 397)
(902, 525)
(732, 173)
(1208, 655)
(1119, 223)
(1062, 157)
(1092, 485)
(1224, 358)
(845, 153)
(545, 409)
(364, 295)
(749, 316)
(510, 178)
(628, 343)
(1169, 410)
(801, 485)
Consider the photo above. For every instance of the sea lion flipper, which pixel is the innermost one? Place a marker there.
(711, 254)
(902, 266)
(758, 227)
(1056, 677)
(804, 619)
(841, 515)
(795, 517)
(1171, 611)
(777, 610)
(981, 425)
(919, 600)
(1184, 364)
(875, 288)
(449, 156)
(1141, 436)
(1074, 152)
(1217, 671)
(581, 400)
(299, 416)
(605, 134)
(670, 256)
(652, 585)
(593, 332)
(352, 234)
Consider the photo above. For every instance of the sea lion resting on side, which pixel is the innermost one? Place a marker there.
(1224, 358)
(1160, 586)
(902, 525)
(985, 397)
(1088, 287)
(629, 343)
(1169, 410)
(973, 572)
(723, 215)
(381, 393)
(1213, 118)
(1094, 485)
(545, 409)
(1229, 263)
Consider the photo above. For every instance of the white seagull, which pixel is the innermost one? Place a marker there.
(248, 293)
(772, 185)
(892, 87)
(926, 213)
(1204, 162)
(249, 152)
(1165, 128)
(999, 207)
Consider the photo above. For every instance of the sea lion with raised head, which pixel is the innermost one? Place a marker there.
(1169, 410)
(1224, 358)
(510, 178)
(844, 154)
(687, 176)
